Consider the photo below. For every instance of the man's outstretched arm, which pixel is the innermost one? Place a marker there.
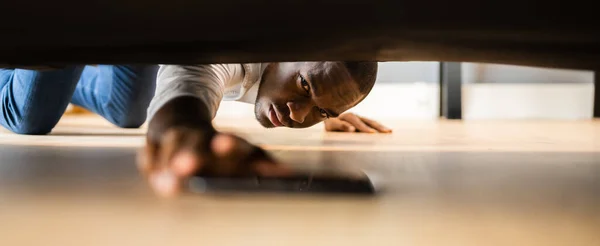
(181, 140)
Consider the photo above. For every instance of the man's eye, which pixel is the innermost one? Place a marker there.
(304, 84)
(323, 113)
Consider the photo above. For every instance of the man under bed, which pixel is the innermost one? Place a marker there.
(180, 102)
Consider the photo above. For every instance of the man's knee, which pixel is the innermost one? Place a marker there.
(29, 127)
(129, 119)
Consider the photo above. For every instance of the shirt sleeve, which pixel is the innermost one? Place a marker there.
(205, 82)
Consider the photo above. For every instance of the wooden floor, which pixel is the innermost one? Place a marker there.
(446, 183)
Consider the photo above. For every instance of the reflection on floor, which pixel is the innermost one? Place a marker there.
(446, 183)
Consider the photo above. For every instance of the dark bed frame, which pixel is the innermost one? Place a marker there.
(531, 33)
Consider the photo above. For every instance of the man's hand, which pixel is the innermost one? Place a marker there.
(350, 122)
(181, 142)
(184, 152)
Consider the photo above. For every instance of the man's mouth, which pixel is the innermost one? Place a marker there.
(273, 117)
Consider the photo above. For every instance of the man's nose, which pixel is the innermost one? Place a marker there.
(298, 111)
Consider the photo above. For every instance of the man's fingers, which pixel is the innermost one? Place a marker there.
(177, 153)
(346, 127)
(359, 124)
(188, 158)
(222, 145)
(230, 148)
(334, 124)
(331, 125)
(376, 125)
(169, 145)
(165, 183)
(185, 163)
(233, 155)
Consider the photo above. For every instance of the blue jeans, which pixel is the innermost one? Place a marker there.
(33, 101)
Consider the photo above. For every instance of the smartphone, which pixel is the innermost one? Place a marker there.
(341, 182)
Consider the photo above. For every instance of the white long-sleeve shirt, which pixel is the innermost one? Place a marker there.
(210, 83)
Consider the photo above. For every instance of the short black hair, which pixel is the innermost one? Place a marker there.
(364, 74)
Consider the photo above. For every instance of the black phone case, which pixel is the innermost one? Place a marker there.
(299, 183)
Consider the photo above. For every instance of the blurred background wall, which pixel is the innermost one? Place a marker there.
(410, 90)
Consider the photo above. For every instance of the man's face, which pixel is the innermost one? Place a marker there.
(302, 94)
